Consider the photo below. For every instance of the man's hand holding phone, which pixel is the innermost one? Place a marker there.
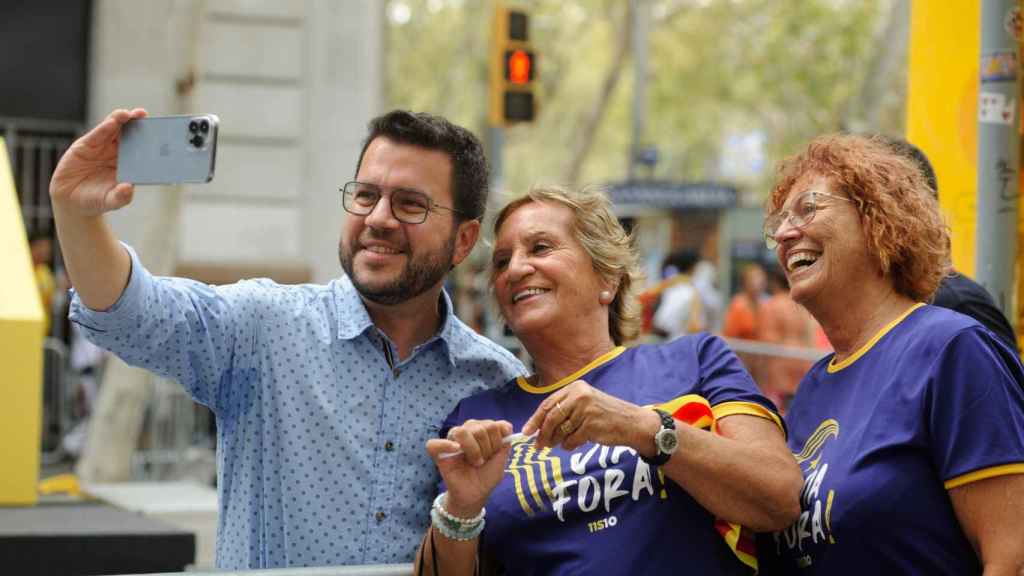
(85, 181)
(98, 174)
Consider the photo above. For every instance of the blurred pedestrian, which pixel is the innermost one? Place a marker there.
(704, 280)
(680, 310)
(783, 321)
(41, 249)
(741, 316)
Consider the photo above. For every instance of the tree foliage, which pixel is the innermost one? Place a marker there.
(785, 68)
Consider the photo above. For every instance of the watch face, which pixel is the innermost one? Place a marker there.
(667, 441)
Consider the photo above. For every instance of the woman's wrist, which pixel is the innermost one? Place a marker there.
(647, 423)
(461, 509)
(455, 527)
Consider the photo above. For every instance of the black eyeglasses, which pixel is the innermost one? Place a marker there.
(799, 214)
(408, 206)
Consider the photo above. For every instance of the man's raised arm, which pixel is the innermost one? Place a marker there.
(83, 187)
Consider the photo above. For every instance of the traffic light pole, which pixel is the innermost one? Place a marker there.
(998, 153)
(495, 327)
(640, 11)
(496, 155)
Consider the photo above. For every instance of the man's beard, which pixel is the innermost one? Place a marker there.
(419, 275)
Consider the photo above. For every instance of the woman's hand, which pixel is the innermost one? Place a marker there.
(580, 413)
(472, 476)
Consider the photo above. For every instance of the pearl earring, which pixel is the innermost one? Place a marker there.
(605, 297)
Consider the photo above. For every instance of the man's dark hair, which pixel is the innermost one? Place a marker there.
(911, 152)
(469, 165)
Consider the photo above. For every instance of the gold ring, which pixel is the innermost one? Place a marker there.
(566, 428)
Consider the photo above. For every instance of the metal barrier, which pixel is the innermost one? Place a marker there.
(36, 146)
(367, 570)
(777, 350)
(178, 433)
(58, 399)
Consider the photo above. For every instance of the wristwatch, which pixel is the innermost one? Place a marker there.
(665, 439)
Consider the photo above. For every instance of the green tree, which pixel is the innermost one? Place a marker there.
(790, 69)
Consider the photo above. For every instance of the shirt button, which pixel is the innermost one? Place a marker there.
(389, 446)
(380, 516)
(397, 372)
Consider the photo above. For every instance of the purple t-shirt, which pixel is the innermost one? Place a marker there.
(601, 509)
(932, 403)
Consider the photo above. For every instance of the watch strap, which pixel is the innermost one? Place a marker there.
(667, 423)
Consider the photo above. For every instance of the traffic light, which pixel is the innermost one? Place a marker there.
(513, 68)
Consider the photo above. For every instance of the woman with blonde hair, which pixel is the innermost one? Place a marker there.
(642, 458)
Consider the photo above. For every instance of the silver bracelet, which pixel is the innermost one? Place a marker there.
(454, 527)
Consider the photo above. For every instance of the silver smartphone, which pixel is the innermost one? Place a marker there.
(168, 150)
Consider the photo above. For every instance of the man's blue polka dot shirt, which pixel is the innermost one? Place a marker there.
(320, 446)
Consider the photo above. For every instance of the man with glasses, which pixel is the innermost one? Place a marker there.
(324, 395)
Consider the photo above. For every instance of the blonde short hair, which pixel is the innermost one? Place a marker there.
(605, 241)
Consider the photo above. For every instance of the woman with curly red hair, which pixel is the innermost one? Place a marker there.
(911, 435)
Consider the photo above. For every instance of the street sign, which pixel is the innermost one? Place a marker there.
(674, 195)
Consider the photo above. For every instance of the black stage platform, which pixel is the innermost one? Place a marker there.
(82, 539)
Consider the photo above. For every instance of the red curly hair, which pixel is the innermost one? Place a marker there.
(904, 227)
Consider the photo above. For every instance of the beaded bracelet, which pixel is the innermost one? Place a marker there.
(454, 527)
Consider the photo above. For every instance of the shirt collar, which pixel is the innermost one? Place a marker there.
(354, 320)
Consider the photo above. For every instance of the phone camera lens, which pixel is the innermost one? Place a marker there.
(204, 126)
(193, 126)
(197, 141)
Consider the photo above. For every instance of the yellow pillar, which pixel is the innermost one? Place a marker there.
(21, 352)
(942, 104)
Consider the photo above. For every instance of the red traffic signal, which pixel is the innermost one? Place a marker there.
(519, 66)
(513, 70)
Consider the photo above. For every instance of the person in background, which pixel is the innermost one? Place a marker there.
(323, 394)
(704, 281)
(680, 310)
(742, 314)
(956, 291)
(86, 361)
(911, 435)
(638, 450)
(41, 249)
(783, 321)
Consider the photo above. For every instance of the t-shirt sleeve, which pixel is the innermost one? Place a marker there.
(974, 409)
(991, 318)
(727, 385)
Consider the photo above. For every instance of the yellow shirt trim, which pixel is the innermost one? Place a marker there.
(602, 359)
(748, 408)
(834, 366)
(984, 473)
